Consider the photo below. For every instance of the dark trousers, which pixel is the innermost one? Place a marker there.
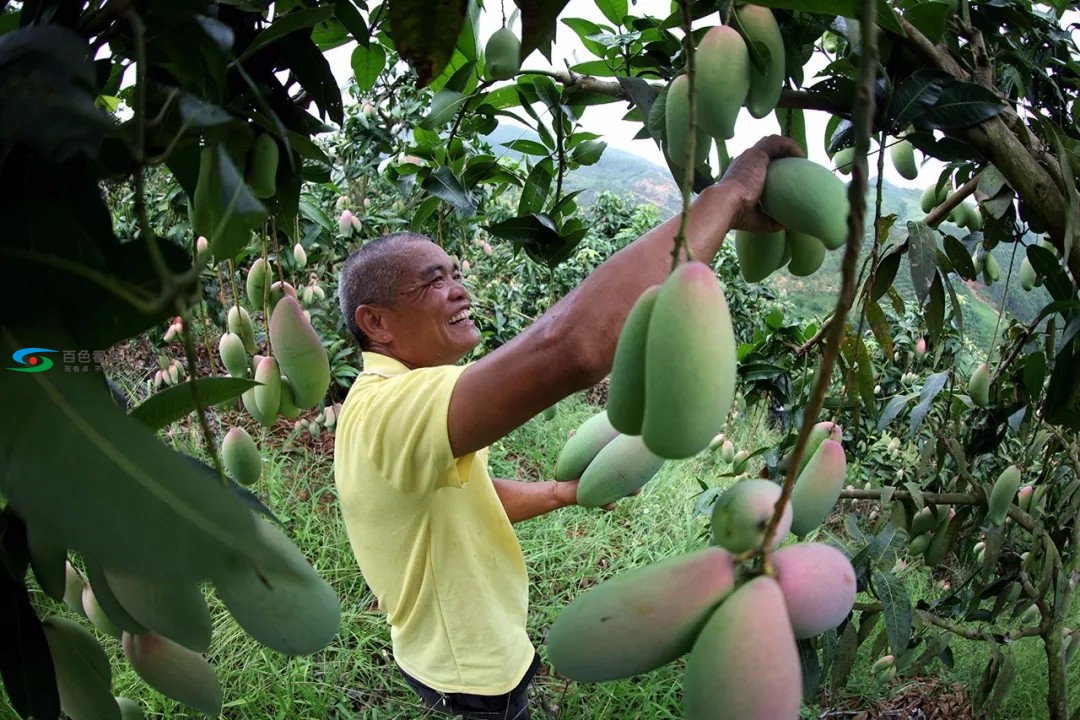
(513, 705)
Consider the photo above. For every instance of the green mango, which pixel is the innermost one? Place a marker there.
(583, 446)
(621, 467)
(626, 392)
(802, 195)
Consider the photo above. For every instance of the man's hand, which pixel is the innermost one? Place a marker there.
(745, 180)
(566, 494)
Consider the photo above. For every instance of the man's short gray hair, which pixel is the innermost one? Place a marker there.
(371, 276)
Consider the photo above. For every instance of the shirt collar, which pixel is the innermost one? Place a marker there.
(382, 365)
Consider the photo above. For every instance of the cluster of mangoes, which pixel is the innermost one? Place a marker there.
(164, 625)
(728, 77)
(812, 205)
(1029, 278)
(737, 626)
(901, 154)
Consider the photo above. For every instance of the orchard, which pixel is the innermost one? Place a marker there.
(188, 176)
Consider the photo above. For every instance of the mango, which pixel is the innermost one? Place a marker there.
(822, 431)
(96, 615)
(233, 355)
(239, 323)
(677, 125)
(262, 170)
(268, 393)
(279, 290)
(807, 253)
(819, 586)
(844, 160)
(621, 467)
(248, 400)
(73, 588)
(241, 456)
(259, 278)
(939, 542)
(739, 460)
(744, 664)
(502, 54)
(690, 363)
(742, 512)
(802, 195)
(287, 408)
(974, 219)
(928, 201)
(83, 674)
(106, 600)
(299, 255)
(129, 709)
(979, 385)
(919, 545)
(882, 664)
(1023, 497)
(1028, 276)
(299, 352)
(723, 80)
(174, 671)
(174, 609)
(1002, 494)
(923, 521)
(294, 612)
(991, 269)
(759, 253)
(626, 392)
(760, 26)
(727, 451)
(818, 487)
(640, 619)
(957, 216)
(583, 446)
(902, 154)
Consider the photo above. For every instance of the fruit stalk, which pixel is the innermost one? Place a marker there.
(863, 113)
(691, 138)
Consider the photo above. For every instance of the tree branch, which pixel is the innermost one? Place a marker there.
(1018, 516)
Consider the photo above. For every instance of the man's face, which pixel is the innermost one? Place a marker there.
(430, 323)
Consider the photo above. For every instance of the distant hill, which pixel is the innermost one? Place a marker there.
(624, 173)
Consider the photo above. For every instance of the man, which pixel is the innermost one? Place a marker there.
(432, 533)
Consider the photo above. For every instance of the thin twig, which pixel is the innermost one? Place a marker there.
(691, 141)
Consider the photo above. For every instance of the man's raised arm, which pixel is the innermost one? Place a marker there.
(572, 345)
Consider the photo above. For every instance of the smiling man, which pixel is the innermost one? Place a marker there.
(431, 531)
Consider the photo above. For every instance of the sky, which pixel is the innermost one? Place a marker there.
(606, 120)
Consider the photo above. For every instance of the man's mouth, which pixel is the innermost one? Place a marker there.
(460, 317)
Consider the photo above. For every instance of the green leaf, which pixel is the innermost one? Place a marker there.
(614, 10)
(286, 25)
(529, 147)
(589, 152)
(1047, 265)
(958, 314)
(896, 607)
(929, 18)
(411, 24)
(594, 68)
(959, 258)
(423, 212)
(885, 275)
(166, 407)
(26, 667)
(1002, 683)
(77, 466)
(916, 94)
(846, 8)
(935, 310)
(844, 659)
(922, 254)
(444, 185)
(960, 105)
(534, 193)
(793, 125)
(233, 211)
(353, 21)
(367, 63)
(811, 669)
(892, 409)
(538, 18)
(585, 29)
(1035, 373)
(865, 375)
(933, 385)
(879, 325)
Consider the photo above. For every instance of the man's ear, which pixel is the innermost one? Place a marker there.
(371, 320)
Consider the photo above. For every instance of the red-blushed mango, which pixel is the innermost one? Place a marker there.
(96, 615)
(677, 125)
(171, 608)
(83, 673)
(268, 393)
(1023, 497)
(722, 79)
(742, 512)
(902, 154)
(819, 586)
(279, 290)
(802, 195)
(727, 451)
(690, 363)
(233, 355)
(759, 253)
(621, 467)
(844, 160)
(583, 446)
(822, 431)
(299, 352)
(760, 26)
(979, 385)
(640, 619)
(1002, 494)
(818, 487)
(241, 456)
(259, 279)
(292, 610)
(807, 253)
(744, 664)
(502, 54)
(239, 323)
(626, 392)
(174, 671)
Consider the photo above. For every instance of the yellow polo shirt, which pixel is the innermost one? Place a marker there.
(429, 533)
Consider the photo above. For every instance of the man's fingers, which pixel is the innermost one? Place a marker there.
(779, 146)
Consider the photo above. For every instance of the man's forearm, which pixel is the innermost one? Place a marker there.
(524, 500)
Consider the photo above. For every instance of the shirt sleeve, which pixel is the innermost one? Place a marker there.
(403, 428)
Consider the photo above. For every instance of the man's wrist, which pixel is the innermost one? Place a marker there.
(560, 494)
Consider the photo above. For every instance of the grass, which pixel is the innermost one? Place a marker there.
(565, 552)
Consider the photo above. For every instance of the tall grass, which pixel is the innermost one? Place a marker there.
(566, 551)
